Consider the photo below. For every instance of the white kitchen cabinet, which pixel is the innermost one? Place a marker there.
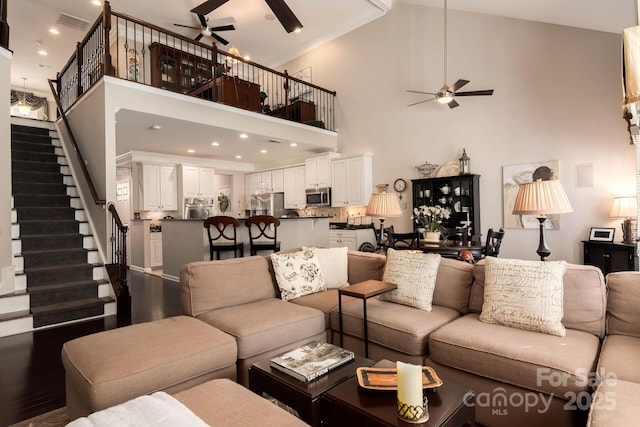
(318, 170)
(266, 185)
(352, 181)
(253, 182)
(198, 182)
(277, 180)
(294, 188)
(352, 239)
(160, 187)
(155, 249)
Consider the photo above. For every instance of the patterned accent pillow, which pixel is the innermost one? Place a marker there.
(298, 274)
(333, 265)
(524, 294)
(415, 275)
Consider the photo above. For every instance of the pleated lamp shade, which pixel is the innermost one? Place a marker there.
(541, 198)
(385, 205)
(623, 207)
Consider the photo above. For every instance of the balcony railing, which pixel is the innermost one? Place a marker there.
(128, 48)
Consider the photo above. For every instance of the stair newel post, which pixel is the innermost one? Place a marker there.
(79, 61)
(123, 263)
(106, 22)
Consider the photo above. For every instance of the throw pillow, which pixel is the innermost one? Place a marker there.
(524, 294)
(298, 274)
(333, 265)
(414, 274)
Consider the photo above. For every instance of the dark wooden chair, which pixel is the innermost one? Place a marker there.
(222, 236)
(492, 245)
(405, 240)
(261, 237)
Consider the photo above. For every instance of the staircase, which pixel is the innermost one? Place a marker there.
(58, 268)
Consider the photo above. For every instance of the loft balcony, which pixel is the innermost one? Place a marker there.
(127, 48)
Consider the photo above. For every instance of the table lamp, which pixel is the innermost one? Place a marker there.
(627, 208)
(383, 205)
(542, 198)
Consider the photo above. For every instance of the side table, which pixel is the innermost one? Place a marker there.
(364, 291)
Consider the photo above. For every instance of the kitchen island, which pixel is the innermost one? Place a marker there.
(186, 240)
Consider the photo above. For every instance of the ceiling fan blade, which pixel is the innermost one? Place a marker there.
(475, 93)
(417, 91)
(220, 39)
(420, 102)
(202, 19)
(186, 26)
(453, 104)
(208, 6)
(457, 85)
(223, 28)
(198, 37)
(286, 17)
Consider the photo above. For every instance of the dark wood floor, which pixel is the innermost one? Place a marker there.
(31, 372)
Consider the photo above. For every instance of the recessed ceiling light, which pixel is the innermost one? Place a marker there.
(297, 30)
(96, 2)
(191, 150)
(54, 31)
(215, 144)
(42, 52)
(238, 156)
(155, 127)
(244, 136)
(263, 151)
(269, 17)
(293, 144)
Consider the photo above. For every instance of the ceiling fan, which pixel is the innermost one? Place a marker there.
(205, 30)
(280, 9)
(447, 94)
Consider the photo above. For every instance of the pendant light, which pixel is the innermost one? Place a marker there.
(23, 107)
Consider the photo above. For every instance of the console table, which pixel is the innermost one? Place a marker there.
(611, 257)
(298, 111)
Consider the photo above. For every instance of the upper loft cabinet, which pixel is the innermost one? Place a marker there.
(177, 71)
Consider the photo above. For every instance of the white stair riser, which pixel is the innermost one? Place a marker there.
(110, 309)
(72, 191)
(14, 217)
(80, 216)
(20, 282)
(62, 161)
(99, 273)
(18, 264)
(88, 242)
(93, 257)
(64, 170)
(14, 303)
(15, 231)
(16, 247)
(75, 203)
(104, 290)
(67, 180)
(16, 326)
(84, 228)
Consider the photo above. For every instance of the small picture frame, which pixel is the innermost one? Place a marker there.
(601, 234)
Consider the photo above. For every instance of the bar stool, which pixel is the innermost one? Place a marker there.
(219, 229)
(260, 239)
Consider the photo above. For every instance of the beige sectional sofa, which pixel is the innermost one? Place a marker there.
(519, 377)
(615, 402)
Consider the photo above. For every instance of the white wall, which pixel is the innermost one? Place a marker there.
(557, 97)
(6, 268)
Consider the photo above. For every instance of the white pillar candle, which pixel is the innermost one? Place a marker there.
(409, 384)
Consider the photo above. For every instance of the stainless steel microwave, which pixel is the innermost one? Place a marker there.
(319, 197)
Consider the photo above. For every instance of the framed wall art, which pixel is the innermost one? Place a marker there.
(515, 175)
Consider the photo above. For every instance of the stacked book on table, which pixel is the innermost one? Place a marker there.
(312, 360)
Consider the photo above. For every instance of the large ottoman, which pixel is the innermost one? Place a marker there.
(173, 354)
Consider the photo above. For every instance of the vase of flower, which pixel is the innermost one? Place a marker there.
(430, 218)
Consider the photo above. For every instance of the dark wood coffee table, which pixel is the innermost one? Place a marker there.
(301, 396)
(347, 404)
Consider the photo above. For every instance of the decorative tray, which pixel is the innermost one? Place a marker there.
(385, 378)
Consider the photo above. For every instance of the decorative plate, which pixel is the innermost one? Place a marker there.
(449, 169)
(385, 378)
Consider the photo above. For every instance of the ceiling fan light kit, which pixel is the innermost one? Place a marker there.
(447, 94)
